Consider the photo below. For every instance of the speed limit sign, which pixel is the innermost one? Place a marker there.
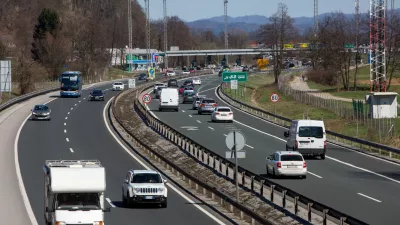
(274, 97)
(146, 98)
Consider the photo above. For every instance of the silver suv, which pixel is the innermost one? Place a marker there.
(207, 105)
(197, 101)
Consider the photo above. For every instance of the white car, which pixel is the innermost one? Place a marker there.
(171, 73)
(287, 163)
(222, 113)
(186, 72)
(144, 186)
(118, 86)
(155, 87)
(196, 81)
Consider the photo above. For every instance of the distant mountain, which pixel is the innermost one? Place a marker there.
(251, 23)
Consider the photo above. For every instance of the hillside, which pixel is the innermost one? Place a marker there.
(251, 23)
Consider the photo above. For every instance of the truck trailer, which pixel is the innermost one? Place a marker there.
(74, 192)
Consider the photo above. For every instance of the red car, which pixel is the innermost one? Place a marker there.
(192, 70)
(181, 89)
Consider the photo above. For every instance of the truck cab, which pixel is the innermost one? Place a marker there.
(74, 192)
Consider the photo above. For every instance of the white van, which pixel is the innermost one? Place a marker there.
(169, 99)
(307, 137)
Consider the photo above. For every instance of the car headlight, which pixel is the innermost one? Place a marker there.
(46, 113)
(136, 190)
(34, 113)
(160, 189)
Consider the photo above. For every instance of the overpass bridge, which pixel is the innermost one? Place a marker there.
(226, 52)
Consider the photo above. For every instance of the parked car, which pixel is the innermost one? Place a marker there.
(307, 137)
(287, 163)
(41, 112)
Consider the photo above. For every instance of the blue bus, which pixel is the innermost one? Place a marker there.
(71, 84)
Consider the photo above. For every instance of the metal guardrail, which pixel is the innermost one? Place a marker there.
(22, 98)
(257, 184)
(361, 143)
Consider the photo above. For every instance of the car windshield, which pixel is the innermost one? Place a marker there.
(77, 201)
(191, 93)
(143, 75)
(41, 107)
(224, 110)
(208, 101)
(291, 158)
(97, 91)
(117, 83)
(316, 132)
(146, 178)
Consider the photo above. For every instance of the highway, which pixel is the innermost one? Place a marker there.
(359, 185)
(78, 131)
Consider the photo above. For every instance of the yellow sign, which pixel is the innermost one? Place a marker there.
(288, 46)
(304, 45)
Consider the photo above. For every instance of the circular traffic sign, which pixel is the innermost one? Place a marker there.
(146, 98)
(274, 97)
(235, 138)
(151, 71)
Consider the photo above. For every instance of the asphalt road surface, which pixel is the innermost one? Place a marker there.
(78, 131)
(359, 185)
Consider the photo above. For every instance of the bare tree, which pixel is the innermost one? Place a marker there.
(393, 46)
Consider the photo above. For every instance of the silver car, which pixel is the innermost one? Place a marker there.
(207, 105)
(41, 112)
(197, 101)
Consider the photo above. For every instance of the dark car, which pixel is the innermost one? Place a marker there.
(41, 112)
(172, 83)
(97, 95)
(158, 92)
(188, 97)
(188, 83)
(245, 69)
(143, 76)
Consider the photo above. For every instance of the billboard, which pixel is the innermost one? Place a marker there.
(5, 76)
(288, 46)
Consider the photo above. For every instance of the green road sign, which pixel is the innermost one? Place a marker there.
(239, 76)
(348, 46)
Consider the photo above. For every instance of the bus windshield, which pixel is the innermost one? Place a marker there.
(69, 80)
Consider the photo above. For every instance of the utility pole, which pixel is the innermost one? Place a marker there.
(129, 53)
(357, 11)
(148, 54)
(165, 34)
(378, 45)
(226, 27)
(315, 18)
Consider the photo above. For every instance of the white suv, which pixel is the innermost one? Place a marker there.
(144, 186)
(287, 163)
(118, 86)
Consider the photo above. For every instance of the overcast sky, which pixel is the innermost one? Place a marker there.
(190, 10)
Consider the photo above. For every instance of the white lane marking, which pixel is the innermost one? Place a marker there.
(374, 199)
(75, 104)
(84, 98)
(21, 185)
(225, 135)
(183, 110)
(145, 166)
(206, 90)
(198, 121)
(65, 131)
(110, 202)
(314, 174)
(71, 150)
(249, 146)
(334, 159)
(68, 113)
(72, 108)
(148, 109)
(79, 101)
(190, 115)
(65, 124)
(211, 128)
(67, 139)
(66, 117)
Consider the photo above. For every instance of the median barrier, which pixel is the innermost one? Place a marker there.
(281, 198)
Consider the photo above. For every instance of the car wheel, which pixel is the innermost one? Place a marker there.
(165, 204)
(160, 109)
(287, 148)
(199, 113)
(267, 170)
(49, 119)
(323, 156)
(273, 172)
(304, 177)
(177, 109)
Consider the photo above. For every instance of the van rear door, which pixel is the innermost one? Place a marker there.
(317, 138)
(303, 138)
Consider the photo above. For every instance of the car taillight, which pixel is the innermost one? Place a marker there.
(304, 165)
(217, 113)
(201, 105)
(62, 85)
(184, 97)
(325, 144)
(215, 105)
(230, 113)
(279, 165)
(297, 144)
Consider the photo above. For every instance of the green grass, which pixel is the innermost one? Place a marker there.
(115, 73)
(290, 108)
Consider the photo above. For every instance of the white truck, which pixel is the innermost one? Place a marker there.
(74, 192)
